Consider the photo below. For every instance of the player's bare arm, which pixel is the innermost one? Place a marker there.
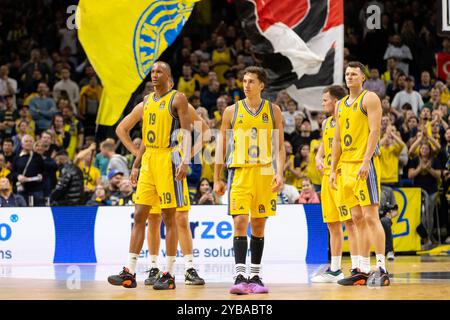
(180, 106)
(136, 164)
(125, 126)
(372, 105)
(219, 185)
(336, 151)
(277, 182)
(320, 153)
(206, 136)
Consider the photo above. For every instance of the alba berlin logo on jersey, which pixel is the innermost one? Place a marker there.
(265, 117)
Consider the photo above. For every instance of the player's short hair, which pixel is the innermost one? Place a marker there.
(260, 73)
(166, 65)
(359, 65)
(336, 91)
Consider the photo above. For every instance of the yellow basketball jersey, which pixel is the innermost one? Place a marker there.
(251, 143)
(328, 135)
(158, 122)
(353, 129)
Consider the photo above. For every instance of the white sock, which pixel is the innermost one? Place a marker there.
(254, 270)
(188, 261)
(381, 261)
(364, 264)
(335, 263)
(132, 261)
(154, 261)
(355, 262)
(171, 264)
(240, 269)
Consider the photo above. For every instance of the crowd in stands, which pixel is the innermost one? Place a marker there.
(50, 94)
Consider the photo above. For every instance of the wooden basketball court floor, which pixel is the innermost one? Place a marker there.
(413, 277)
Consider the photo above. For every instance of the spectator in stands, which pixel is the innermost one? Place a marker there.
(209, 95)
(408, 95)
(48, 139)
(91, 175)
(221, 106)
(33, 64)
(444, 89)
(308, 195)
(89, 73)
(24, 115)
(28, 170)
(102, 159)
(375, 84)
(424, 86)
(289, 117)
(231, 88)
(75, 129)
(42, 108)
(66, 84)
(397, 85)
(90, 96)
(301, 162)
(8, 152)
(113, 189)
(304, 136)
(62, 138)
(8, 86)
(289, 194)
(17, 139)
(117, 162)
(126, 193)
(7, 197)
(221, 59)
(389, 75)
(391, 145)
(434, 99)
(425, 171)
(187, 84)
(98, 197)
(202, 76)
(7, 117)
(388, 210)
(401, 52)
(4, 171)
(50, 168)
(204, 194)
(69, 190)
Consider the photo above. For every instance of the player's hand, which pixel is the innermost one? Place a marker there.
(219, 187)
(333, 180)
(277, 183)
(363, 171)
(182, 171)
(134, 176)
(320, 165)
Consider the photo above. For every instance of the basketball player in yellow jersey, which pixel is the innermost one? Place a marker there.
(163, 171)
(333, 213)
(154, 218)
(253, 183)
(356, 150)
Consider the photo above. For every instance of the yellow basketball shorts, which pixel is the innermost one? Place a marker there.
(157, 186)
(332, 210)
(250, 190)
(356, 192)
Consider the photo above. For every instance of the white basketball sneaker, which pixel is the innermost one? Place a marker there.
(328, 276)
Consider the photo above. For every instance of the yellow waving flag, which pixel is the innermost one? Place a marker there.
(122, 40)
